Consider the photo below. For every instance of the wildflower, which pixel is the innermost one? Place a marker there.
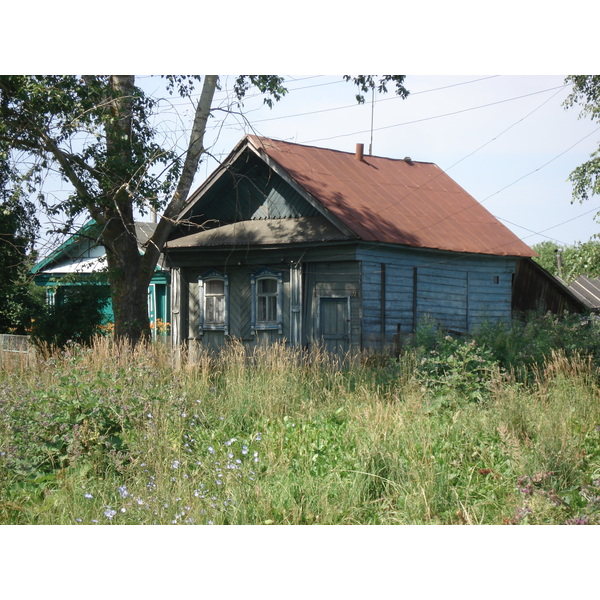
(256, 457)
(230, 455)
(218, 482)
(258, 437)
(244, 449)
(175, 464)
(149, 415)
(109, 513)
(123, 491)
(583, 520)
(123, 510)
(211, 449)
(88, 496)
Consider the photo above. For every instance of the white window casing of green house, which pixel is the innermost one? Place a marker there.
(267, 300)
(213, 302)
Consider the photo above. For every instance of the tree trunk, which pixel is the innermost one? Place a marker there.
(128, 283)
(128, 278)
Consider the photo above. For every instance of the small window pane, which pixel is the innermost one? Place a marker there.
(267, 286)
(267, 308)
(215, 309)
(215, 286)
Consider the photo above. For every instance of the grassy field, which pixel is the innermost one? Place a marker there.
(451, 432)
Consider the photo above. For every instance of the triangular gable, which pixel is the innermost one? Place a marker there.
(248, 186)
(71, 249)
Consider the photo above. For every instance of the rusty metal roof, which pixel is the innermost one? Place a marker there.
(395, 201)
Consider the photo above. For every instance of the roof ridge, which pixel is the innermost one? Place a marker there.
(321, 148)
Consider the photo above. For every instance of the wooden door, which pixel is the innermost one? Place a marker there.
(334, 324)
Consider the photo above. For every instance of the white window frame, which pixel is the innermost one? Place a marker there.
(261, 275)
(203, 324)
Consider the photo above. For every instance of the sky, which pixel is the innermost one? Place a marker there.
(507, 140)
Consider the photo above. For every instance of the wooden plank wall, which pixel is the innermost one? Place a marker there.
(461, 292)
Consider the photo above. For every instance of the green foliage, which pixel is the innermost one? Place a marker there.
(526, 344)
(18, 225)
(76, 316)
(586, 93)
(580, 259)
(456, 369)
(367, 83)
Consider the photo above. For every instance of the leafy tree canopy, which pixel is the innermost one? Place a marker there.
(18, 227)
(586, 94)
(581, 259)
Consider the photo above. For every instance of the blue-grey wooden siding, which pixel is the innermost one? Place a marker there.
(460, 292)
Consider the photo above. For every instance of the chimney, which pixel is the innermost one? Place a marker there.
(360, 149)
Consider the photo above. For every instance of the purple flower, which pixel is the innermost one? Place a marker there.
(88, 496)
(109, 513)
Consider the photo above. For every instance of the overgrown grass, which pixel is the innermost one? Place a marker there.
(443, 435)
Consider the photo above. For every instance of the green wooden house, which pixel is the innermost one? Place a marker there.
(82, 254)
(285, 242)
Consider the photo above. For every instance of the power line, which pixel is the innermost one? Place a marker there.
(437, 116)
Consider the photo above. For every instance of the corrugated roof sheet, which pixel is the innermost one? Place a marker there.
(393, 201)
(587, 290)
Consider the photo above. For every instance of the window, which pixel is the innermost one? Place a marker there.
(213, 291)
(267, 300)
(214, 301)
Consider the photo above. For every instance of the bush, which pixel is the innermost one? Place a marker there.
(76, 315)
(527, 343)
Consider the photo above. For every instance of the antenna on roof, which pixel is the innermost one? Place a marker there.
(372, 115)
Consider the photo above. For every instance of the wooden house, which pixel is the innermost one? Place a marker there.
(82, 254)
(311, 245)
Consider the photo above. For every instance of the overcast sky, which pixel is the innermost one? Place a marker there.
(507, 140)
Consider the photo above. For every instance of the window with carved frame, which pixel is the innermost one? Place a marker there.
(213, 292)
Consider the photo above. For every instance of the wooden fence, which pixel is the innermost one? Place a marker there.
(15, 343)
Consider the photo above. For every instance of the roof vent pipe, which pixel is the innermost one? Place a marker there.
(360, 149)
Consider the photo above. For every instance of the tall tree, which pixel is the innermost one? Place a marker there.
(97, 132)
(586, 94)
(18, 227)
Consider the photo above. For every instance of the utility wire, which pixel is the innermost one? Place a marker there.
(457, 112)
